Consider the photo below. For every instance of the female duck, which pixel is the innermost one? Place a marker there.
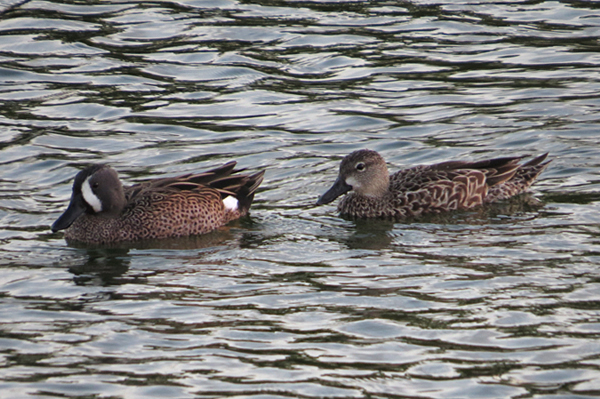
(418, 190)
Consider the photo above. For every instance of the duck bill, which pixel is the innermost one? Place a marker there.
(339, 187)
(75, 209)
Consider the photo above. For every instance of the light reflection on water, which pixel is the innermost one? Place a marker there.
(295, 301)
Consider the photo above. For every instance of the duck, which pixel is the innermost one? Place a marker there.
(371, 192)
(103, 211)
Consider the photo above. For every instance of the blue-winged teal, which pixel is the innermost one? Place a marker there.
(426, 189)
(103, 211)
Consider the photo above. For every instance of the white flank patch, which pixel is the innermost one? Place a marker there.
(89, 196)
(231, 203)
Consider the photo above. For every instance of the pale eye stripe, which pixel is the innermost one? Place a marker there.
(89, 196)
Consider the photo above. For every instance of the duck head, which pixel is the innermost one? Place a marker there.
(96, 190)
(362, 171)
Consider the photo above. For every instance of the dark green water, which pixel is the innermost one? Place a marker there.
(499, 302)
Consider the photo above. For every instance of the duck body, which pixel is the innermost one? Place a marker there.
(447, 186)
(103, 211)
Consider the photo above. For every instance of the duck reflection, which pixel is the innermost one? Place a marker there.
(109, 264)
(377, 234)
(102, 267)
(370, 234)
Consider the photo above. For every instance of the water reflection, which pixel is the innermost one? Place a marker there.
(380, 234)
(109, 264)
(102, 267)
(370, 234)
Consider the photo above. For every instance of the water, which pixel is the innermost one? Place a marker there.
(499, 302)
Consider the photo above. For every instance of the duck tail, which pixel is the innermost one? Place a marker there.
(523, 177)
(245, 194)
(529, 171)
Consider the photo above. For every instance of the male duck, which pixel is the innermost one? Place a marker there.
(103, 211)
(426, 189)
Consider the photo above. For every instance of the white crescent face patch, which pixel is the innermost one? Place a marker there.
(89, 196)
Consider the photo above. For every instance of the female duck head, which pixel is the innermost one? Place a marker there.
(364, 172)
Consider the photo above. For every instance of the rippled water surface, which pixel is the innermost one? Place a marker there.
(293, 301)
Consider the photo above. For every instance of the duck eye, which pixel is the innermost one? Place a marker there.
(360, 166)
(95, 185)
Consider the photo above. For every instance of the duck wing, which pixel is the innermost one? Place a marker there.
(187, 182)
(451, 185)
(222, 181)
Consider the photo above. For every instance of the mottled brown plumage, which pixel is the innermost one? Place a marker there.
(102, 211)
(424, 189)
